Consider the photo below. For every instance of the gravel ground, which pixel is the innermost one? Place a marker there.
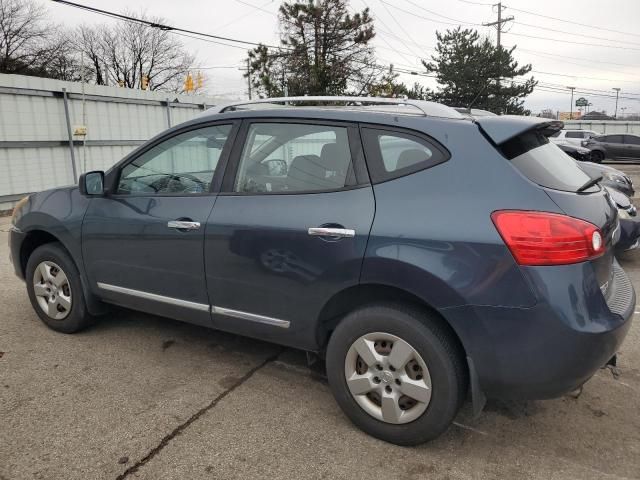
(138, 396)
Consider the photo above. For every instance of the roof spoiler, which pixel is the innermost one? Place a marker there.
(505, 127)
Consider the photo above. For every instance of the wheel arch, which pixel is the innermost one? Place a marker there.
(359, 295)
(37, 237)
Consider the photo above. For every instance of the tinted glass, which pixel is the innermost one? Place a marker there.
(612, 138)
(555, 134)
(393, 154)
(631, 140)
(574, 135)
(544, 163)
(289, 157)
(183, 164)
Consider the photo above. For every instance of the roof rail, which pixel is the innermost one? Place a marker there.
(430, 109)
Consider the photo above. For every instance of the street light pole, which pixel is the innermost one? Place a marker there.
(615, 115)
(571, 108)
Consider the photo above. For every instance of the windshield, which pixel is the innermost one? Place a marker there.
(544, 163)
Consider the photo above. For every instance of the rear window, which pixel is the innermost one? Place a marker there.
(543, 162)
(574, 135)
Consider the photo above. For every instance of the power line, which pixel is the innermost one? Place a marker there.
(403, 30)
(157, 25)
(414, 14)
(576, 34)
(598, 27)
(569, 41)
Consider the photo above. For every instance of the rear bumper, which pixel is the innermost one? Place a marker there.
(553, 347)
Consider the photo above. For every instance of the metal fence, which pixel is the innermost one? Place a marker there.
(38, 119)
(604, 126)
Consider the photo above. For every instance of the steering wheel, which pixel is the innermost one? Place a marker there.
(174, 184)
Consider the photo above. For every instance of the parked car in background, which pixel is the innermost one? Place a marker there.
(629, 222)
(421, 253)
(611, 177)
(575, 151)
(616, 146)
(574, 137)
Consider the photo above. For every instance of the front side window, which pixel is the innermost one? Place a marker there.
(290, 157)
(392, 154)
(574, 135)
(181, 165)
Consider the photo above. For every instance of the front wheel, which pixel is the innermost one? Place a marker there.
(55, 289)
(396, 373)
(597, 156)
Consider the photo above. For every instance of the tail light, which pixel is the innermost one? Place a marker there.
(542, 238)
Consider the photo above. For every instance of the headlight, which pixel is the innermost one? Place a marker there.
(614, 177)
(21, 203)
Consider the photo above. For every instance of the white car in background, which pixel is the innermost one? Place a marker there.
(575, 137)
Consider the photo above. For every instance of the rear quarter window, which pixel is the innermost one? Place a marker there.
(543, 162)
(393, 153)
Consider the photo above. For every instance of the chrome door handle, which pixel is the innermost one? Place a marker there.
(332, 232)
(183, 225)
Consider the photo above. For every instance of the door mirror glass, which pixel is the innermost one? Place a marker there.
(92, 183)
(277, 168)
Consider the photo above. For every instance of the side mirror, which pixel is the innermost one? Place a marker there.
(92, 183)
(277, 168)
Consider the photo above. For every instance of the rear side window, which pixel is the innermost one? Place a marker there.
(631, 140)
(543, 162)
(391, 154)
(574, 135)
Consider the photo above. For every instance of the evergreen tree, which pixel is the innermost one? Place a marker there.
(323, 50)
(472, 71)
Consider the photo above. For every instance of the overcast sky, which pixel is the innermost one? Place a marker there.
(406, 33)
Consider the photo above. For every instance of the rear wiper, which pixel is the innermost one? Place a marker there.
(589, 184)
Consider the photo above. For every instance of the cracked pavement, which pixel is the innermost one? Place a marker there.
(141, 397)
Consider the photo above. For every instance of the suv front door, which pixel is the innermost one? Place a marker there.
(143, 243)
(290, 228)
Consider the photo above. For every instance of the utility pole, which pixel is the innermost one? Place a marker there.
(615, 115)
(571, 107)
(499, 25)
(249, 77)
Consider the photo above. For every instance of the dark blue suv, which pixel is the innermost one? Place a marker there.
(423, 254)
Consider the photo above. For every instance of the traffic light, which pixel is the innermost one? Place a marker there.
(144, 82)
(199, 81)
(188, 83)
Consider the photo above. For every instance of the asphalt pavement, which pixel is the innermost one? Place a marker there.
(138, 396)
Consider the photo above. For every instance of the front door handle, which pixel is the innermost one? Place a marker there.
(183, 225)
(332, 232)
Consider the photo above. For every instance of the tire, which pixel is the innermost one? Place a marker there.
(597, 156)
(403, 326)
(58, 300)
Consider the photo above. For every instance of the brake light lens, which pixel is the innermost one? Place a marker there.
(542, 238)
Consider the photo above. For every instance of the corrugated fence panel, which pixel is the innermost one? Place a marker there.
(34, 147)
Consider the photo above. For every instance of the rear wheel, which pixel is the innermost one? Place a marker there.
(55, 290)
(597, 156)
(396, 373)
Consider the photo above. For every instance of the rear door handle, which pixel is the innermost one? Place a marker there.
(183, 225)
(332, 232)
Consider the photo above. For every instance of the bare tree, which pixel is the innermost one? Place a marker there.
(126, 53)
(27, 41)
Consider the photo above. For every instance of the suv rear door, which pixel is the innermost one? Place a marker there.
(289, 229)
